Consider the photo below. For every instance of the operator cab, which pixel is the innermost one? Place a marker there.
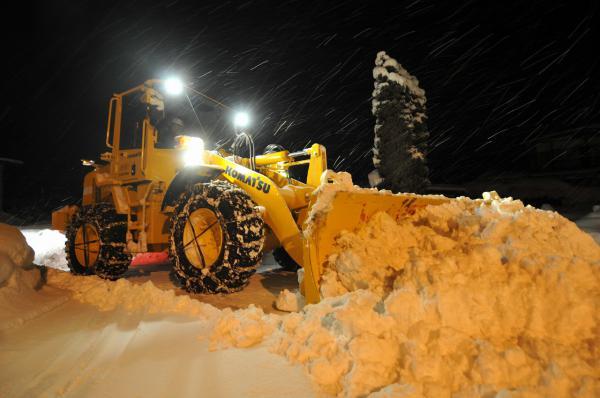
(168, 129)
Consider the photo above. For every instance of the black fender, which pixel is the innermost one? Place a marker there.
(186, 178)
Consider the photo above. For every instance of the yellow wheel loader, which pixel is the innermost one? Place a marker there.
(212, 210)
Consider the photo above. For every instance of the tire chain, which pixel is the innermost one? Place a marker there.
(113, 261)
(243, 238)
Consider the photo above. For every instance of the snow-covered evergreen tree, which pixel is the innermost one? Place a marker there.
(401, 134)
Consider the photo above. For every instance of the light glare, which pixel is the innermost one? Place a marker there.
(241, 120)
(173, 86)
(193, 150)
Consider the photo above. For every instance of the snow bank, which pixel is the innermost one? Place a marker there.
(15, 254)
(19, 281)
(122, 294)
(467, 299)
(49, 246)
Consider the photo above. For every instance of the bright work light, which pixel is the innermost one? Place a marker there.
(173, 86)
(193, 150)
(241, 120)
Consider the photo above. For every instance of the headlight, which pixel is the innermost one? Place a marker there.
(193, 150)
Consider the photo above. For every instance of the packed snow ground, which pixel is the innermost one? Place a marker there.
(468, 299)
(62, 335)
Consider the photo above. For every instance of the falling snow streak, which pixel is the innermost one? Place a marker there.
(502, 79)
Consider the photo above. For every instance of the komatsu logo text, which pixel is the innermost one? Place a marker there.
(254, 182)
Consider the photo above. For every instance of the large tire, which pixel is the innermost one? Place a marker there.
(96, 242)
(217, 236)
(285, 260)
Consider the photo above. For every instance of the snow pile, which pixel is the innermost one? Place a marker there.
(15, 254)
(466, 299)
(242, 328)
(290, 301)
(450, 237)
(49, 247)
(109, 295)
(469, 298)
(19, 281)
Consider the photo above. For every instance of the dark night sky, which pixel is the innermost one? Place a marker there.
(499, 76)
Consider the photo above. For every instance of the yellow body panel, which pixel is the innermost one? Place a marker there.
(264, 192)
(163, 164)
(62, 217)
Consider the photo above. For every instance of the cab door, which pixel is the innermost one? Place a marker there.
(129, 133)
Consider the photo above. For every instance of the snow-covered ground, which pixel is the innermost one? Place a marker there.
(468, 299)
(140, 336)
(78, 351)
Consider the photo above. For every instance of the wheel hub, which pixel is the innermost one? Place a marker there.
(87, 245)
(202, 238)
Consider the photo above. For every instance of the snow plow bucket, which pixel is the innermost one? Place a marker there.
(348, 210)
